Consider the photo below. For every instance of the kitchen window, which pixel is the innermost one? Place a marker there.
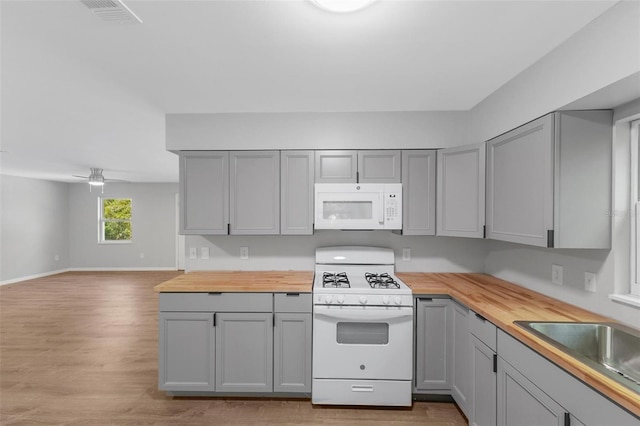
(114, 220)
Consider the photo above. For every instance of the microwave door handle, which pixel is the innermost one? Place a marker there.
(381, 212)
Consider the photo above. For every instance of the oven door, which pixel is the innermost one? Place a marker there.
(355, 342)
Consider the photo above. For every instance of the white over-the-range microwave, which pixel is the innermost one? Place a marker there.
(361, 206)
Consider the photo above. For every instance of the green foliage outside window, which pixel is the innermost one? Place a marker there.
(116, 219)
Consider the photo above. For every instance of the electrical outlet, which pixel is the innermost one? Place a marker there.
(56, 257)
(204, 252)
(590, 282)
(406, 254)
(244, 253)
(193, 253)
(141, 255)
(556, 274)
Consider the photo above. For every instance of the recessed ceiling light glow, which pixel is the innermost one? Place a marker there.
(342, 6)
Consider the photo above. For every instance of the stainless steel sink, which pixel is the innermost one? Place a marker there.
(612, 349)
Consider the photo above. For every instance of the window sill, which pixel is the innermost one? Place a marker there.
(115, 242)
(627, 299)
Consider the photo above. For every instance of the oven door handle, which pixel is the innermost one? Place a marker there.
(360, 314)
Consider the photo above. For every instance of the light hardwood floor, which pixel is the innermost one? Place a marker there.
(80, 348)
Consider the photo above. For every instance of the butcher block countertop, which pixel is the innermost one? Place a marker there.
(499, 301)
(240, 281)
(502, 303)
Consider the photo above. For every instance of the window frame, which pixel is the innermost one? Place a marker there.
(634, 190)
(102, 221)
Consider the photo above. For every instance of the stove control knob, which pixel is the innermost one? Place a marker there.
(398, 300)
(386, 300)
(328, 299)
(340, 299)
(363, 300)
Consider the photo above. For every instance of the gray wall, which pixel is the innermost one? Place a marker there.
(604, 52)
(428, 254)
(319, 130)
(34, 227)
(153, 223)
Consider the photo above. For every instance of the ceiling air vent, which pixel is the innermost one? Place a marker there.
(112, 11)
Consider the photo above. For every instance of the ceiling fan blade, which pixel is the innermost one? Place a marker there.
(82, 177)
(117, 180)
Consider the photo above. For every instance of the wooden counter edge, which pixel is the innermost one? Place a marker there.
(441, 284)
(239, 282)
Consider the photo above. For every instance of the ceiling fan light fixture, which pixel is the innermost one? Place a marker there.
(342, 6)
(96, 178)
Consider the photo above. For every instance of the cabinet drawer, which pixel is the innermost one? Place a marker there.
(216, 302)
(293, 302)
(483, 329)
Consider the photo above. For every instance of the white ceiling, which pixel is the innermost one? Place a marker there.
(78, 92)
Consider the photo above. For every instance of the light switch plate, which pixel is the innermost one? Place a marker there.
(193, 253)
(244, 253)
(590, 282)
(556, 274)
(204, 252)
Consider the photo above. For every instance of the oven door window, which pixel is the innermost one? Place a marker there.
(346, 210)
(362, 333)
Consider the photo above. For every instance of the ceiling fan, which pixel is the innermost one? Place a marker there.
(97, 179)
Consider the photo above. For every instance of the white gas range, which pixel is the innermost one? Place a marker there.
(362, 328)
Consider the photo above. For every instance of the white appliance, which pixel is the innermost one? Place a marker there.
(362, 329)
(358, 206)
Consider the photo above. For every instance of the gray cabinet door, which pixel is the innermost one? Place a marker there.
(336, 166)
(296, 192)
(382, 166)
(461, 191)
(244, 352)
(483, 412)
(186, 343)
(433, 346)
(520, 184)
(204, 192)
(255, 192)
(522, 403)
(461, 378)
(292, 352)
(419, 192)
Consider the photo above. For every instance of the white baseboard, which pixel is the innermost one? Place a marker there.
(33, 277)
(132, 269)
(103, 269)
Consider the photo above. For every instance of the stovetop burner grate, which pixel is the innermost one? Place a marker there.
(336, 280)
(381, 280)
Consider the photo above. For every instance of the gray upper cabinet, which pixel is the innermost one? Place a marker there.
(549, 182)
(204, 192)
(336, 166)
(255, 192)
(379, 166)
(296, 192)
(375, 166)
(433, 345)
(419, 192)
(461, 191)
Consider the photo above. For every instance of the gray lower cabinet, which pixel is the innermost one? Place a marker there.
(296, 192)
(461, 377)
(534, 391)
(292, 352)
(186, 343)
(433, 345)
(419, 192)
(523, 403)
(244, 352)
(484, 371)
